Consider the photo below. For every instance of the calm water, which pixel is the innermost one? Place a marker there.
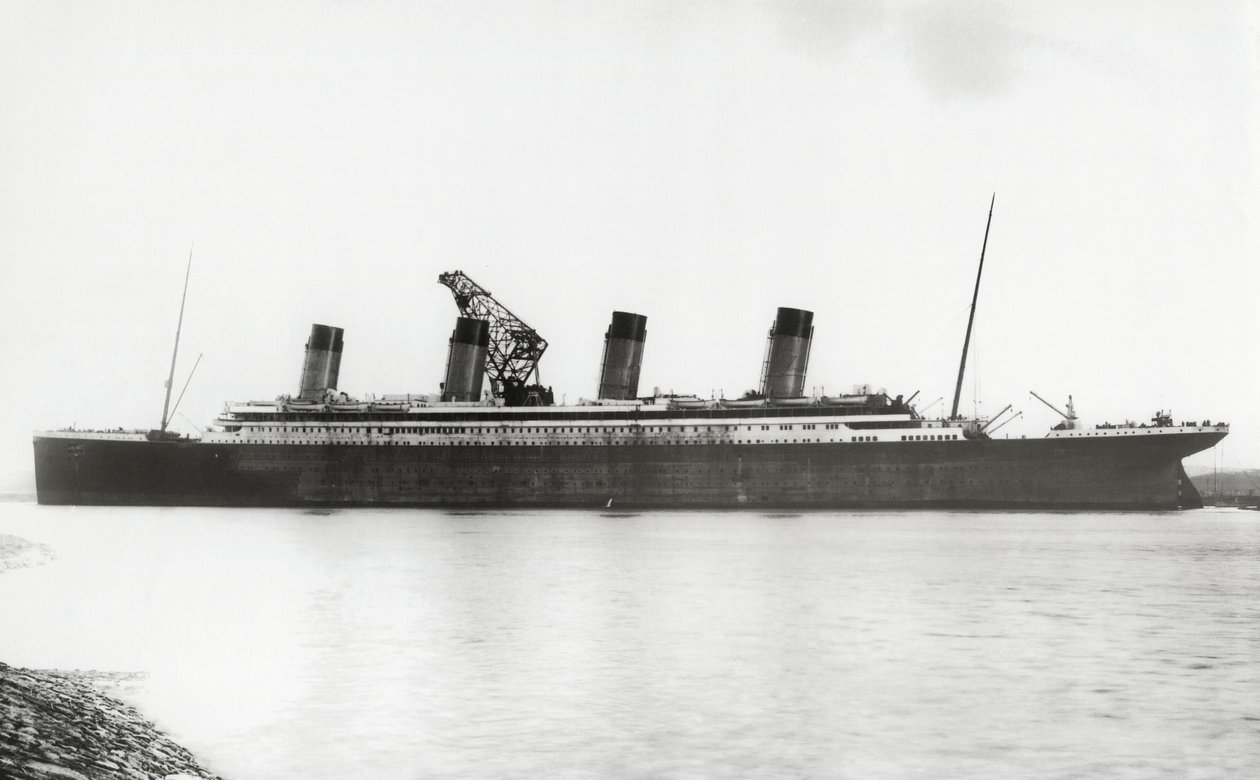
(408, 644)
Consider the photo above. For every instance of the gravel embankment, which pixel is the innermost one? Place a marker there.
(59, 725)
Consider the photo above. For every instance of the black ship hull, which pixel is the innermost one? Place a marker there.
(1108, 473)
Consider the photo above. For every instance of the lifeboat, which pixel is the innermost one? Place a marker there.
(390, 406)
(805, 401)
(846, 400)
(294, 405)
(348, 406)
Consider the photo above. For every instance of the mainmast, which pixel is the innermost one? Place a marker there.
(962, 364)
(178, 327)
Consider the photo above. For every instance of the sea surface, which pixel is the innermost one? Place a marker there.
(414, 644)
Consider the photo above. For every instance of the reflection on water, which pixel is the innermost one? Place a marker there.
(402, 644)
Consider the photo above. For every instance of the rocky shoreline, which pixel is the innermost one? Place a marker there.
(18, 553)
(60, 725)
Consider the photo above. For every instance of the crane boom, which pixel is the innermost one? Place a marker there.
(515, 348)
(1060, 412)
(995, 418)
(1008, 419)
(1070, 422)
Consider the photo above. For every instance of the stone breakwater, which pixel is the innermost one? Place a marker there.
(58, 725)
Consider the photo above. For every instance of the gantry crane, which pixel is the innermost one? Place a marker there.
(515, 348)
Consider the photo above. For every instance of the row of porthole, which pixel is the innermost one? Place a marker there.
(540, 430)
(339, 439)
(396, 442)
(502, 430)
(403, 442)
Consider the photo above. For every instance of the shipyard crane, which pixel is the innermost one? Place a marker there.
(515, 348)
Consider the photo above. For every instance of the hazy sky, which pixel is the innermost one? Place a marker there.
(700, 163)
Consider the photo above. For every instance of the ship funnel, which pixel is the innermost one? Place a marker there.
(787, 354)
(466, 363)
(323, 362)
(623, 354)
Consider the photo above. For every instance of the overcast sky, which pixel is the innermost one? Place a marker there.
(700, 163)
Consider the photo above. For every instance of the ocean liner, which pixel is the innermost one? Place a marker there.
(510, 445)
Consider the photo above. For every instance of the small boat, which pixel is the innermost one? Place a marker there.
(845, 400)
(390, 406)
(303, 406)
(804, 401)
(742, 403)
(688, 403)
(348, 406)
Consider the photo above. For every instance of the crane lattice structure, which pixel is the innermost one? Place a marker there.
(515, 348)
